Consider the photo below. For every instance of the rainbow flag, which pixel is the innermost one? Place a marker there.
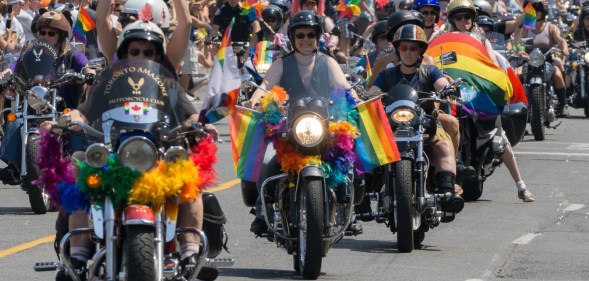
(248, 142)
(489, 86)
(263, 55)
(529, 17)
(376, 145)
(224, 81)
(368, 69)
(84, 23)
(252, 10)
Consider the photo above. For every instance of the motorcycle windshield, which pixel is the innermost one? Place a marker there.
(39, 62)
(133, 95)
(497, 40)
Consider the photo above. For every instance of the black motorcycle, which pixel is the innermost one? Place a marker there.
(577, 70)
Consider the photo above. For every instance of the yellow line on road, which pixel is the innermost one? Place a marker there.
(28, 245)
(51, 238)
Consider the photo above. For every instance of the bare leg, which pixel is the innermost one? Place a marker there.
(191, 214)
(443, 157)
(451, 126)
(510, 162)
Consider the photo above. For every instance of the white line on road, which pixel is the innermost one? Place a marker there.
(574, 207)
(526, 238)
(550, 153)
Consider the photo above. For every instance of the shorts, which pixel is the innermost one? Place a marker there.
(190, 60)
(441, 135)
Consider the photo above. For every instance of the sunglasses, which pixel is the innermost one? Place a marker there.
(429, 13)
(146, 53)
(48, 33)
(404, 48)
(463, 17)
(310, 35)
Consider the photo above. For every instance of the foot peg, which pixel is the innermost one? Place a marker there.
(45, 266)
(453, 203)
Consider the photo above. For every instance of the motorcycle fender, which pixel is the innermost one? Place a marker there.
(137, 214)
(311, 171)
(537, 80)
(171, 220)
(97, 220)
(407, 154)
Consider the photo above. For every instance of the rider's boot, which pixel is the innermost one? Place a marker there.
(10, 175)
(188, 264)
(561, 109)
(452, 202)
(79, 269)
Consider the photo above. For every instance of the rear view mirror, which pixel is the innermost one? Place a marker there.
(448, 58)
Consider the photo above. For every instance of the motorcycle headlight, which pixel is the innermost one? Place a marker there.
(309, 130)
(138, 153)
(37, 97)
(586, 57)
(97, 155)
(536, 59)
(175, 153)
(403, 115)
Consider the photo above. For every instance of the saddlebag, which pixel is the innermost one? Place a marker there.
(213, 224)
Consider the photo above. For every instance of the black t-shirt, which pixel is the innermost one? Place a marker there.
(241, 28)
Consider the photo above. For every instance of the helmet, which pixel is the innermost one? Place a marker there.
(485, 21)
(458, 6)
(411, 33)
(405, 5)
(55, 20)
(584, 13)
(379, 28)
(141, 30)
(283, 4)
(426, 3)
(384, 12)
(483, 7)
(400, 18)
(304, 19)
(272, 12)
(160, 11)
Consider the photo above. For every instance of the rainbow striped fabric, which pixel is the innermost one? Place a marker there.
(263, 56)
(368, 68)
(248, 142)
(490, 87)
(376, 145)
(225, 44)
(84, 23)
(529, 17)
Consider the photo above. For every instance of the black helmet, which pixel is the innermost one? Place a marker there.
(304, 19)
(584, 13)
(410, 33)
(273, 12)
(485, 21)
(405, 5)
(399, 19)
(283, 4)
(483, 8)
(379, 28)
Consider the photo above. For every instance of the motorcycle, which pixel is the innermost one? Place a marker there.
(577, 71)
(34, 99)
(138, 141)
(538, 87)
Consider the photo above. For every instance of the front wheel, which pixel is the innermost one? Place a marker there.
(405, 208)
(309, 256)
(586, 107)
(38, 199)
(538, 106)
(140, 253)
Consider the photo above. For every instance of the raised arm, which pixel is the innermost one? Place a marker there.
(179, 41)
(106, 32)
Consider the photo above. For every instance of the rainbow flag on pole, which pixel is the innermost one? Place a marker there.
(248, 142)
(368, 69)
(263, 55)
(84, 23)
(529, 17)
(376, 145)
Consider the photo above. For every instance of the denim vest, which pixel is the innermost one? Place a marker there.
(292, 83)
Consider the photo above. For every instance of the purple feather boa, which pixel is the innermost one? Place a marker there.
(54, 168)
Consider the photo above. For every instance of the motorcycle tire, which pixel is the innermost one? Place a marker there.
(310, 241)
(405, 209)
(140, 252)
(538, 106)
(249, 193)
(472, 189)
(38, 199)
(586, 107)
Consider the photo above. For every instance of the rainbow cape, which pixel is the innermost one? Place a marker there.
(84, 23)
(490, 87)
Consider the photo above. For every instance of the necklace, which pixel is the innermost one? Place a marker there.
(410, 81)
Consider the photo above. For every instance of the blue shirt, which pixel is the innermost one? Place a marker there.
(433, 73)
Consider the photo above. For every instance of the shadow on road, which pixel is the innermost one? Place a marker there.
(376, 246)
(259, 273)
(16, 211)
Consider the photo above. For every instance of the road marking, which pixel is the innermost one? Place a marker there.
(27, 245)
(51, 238)
(574, 207)
(550, 153)
(525, 239)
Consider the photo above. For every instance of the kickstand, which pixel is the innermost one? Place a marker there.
(555, 126)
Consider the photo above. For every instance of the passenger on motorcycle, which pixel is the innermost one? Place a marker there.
(139, 40)
(309, 72)
(242, 28)
(265, 28)
(581, 32)
(430, 9)
(545, 36)
(410, 44)
(382, 46)
(52, 28)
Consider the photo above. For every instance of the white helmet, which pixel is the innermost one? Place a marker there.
(141, 30)
(160, 11)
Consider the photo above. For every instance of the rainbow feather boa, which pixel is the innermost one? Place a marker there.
(182, 178)
(339, 159)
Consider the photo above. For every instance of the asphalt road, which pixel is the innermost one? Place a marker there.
(496, 238)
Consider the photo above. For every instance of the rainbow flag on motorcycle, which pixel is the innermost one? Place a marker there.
(248, 142)
(489, 87)
(224, 81)
(376, 145)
